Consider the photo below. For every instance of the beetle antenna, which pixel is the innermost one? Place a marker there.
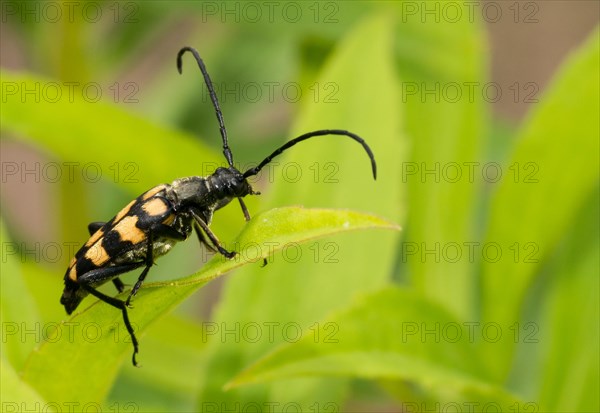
(213, 97)
(287, 145)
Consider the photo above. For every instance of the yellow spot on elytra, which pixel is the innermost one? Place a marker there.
(151, 192)
(97, 255)
(124, 211)
(155, 207)
(73, 270)
(95, 237)
(128, 231)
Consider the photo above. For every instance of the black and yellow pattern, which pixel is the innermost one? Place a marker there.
(151, 224)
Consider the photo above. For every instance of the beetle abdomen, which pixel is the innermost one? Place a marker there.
(122, 240)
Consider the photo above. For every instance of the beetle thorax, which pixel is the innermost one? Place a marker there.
(190, 190)
(214, 191)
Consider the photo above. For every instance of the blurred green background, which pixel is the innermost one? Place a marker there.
(483, 118)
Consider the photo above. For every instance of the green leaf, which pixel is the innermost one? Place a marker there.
(570, 316)
(329, 171)
(438, 62)
(557, 161)
(393, 334)
(18, 313)
(16, 395)
(170, 382)
(93, 342)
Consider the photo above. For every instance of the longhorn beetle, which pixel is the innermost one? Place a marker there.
(151, 224)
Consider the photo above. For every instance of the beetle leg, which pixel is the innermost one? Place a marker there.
(118, 284)
(247, 216)
(149, 264)
(95, 226)
(166, 231)
(203, 240)
(120, 304)
(160, 231)
(244, 209)
(101, 275)
(213, 238)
